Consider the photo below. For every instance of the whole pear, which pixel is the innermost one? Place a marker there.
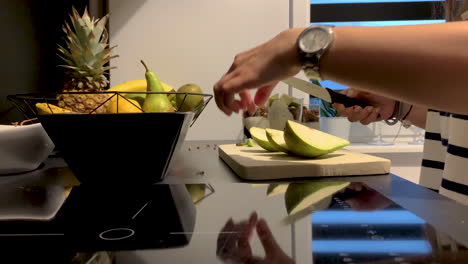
(155, 102)
(188, 102)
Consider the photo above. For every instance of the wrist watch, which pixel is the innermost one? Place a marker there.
(312, 43)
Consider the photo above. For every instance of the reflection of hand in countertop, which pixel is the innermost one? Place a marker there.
(364, 198)
(233, 245)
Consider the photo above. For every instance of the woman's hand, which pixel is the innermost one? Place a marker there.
(234, 243)
(261, 67)
(379, 108)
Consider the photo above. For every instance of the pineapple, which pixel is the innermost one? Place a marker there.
(85, 56)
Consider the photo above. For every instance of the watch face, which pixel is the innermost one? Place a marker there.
(314, 40)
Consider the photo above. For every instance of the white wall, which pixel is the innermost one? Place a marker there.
(187, 41)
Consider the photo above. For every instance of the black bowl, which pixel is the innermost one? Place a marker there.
(114, 149)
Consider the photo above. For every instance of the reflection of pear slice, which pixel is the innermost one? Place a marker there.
(197, 191)
(259, 135)
(276, 138)
(320, 205)
(276, 188)
(257, 184)
(303, 195)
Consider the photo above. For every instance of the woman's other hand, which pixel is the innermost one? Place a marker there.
(379, 108)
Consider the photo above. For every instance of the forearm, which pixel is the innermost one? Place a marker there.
(421, 64)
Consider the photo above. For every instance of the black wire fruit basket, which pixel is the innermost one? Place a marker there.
(113, 148)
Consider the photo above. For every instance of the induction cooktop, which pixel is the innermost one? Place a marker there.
(49, 212)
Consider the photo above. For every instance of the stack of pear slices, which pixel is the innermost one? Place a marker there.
(298, 140)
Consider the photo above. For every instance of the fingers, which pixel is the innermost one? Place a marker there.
(247, 103)
(248, 227)
(219, 99)
(246, 99)
(221, 93)
(233, 240)
(266, 237)
(245, 251)
(372, 117)
(358, 113)
(263, 93)
(251, 108)
(365, 115)
(228, 86)
(225, 241)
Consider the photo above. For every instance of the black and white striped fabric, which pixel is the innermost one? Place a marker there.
(445, 158)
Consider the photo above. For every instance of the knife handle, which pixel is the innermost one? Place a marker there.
(345, 100)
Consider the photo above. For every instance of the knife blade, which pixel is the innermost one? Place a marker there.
(324, 93)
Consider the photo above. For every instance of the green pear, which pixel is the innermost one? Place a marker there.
(189, 102)
(155, 102)
(305, 141)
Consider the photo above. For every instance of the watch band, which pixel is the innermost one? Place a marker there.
(312, 72)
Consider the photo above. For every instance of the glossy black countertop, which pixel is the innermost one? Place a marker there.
(369, 219)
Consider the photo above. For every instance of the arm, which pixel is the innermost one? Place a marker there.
(421, 64)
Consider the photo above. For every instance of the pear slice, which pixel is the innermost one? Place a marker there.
(300, 196)
(276, 188)
(259, 135)
(305, 141)
(276, 139)
(258, 184)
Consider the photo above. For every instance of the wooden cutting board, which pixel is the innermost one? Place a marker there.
(255, 163)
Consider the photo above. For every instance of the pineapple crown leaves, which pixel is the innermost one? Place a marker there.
(87, 50)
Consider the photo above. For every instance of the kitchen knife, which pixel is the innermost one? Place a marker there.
(323, 93)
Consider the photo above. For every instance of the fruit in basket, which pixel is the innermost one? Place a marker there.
(301, 195)
(189, 102)
(155, 102)
(305, 141)
(276, 139)
(131, 86)
(85, 56)
(120, 104)
(170, 89)
(139, 86)
(45, 108)
(259, 135)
